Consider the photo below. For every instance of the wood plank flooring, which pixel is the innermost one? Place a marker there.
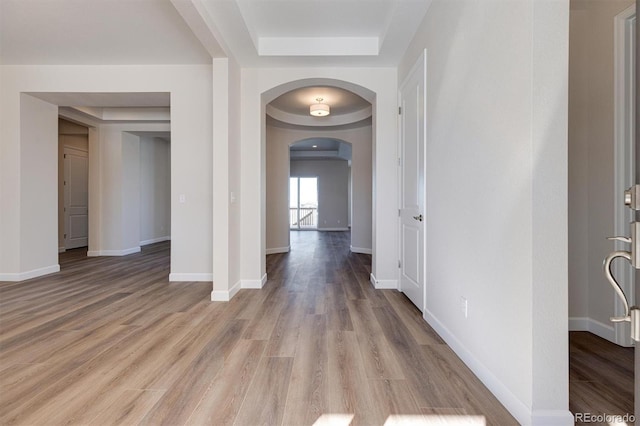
(111, 341)
(601, 376)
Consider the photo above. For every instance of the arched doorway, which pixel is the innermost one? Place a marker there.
(379, 88)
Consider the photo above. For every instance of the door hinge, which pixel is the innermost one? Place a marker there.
(399, 264)
(398, 212)
(65, 236)
(65, 156)
(65, 182)
(399, 110)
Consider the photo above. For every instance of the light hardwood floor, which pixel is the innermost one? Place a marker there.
(111, 341)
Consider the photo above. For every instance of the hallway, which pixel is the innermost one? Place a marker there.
(110, 341)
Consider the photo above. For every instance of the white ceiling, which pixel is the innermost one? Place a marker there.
(255, 32)
(96, 32)
(104, 100)
(317, 32)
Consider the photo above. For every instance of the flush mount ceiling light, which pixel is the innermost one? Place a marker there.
(319, 109)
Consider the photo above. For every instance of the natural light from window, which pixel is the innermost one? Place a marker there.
(407, 420)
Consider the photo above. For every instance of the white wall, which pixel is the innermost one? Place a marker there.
(333, 180)
(29, 196)
(277, 183)
(191, 152)
(130, 204)
(227, 279)
(591, 166)
(155, 190)
(379, 86)
(496, 194)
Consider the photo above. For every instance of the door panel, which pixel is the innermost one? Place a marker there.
(412, 184)
(76, 200)
(636, 40)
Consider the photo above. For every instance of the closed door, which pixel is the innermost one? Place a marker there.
(76, 198)
(412, 185)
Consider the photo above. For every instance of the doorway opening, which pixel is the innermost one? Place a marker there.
(73, 185)
(303, 203)
(600, 352)
(334, 153)
(113, 159)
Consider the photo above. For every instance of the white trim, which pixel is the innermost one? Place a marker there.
(124, 252)
(606, 331)
(278, 250)
(383, 284)
(255, 284)
(226, 295)
(624, 157)
(185, 276)
(552, 418)
(332, 229)
(517, 408)
(61, 249)
(22, 276)
(155, 240)
(360, 250)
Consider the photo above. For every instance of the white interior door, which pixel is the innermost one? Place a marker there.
(412, 184)
(76, 198)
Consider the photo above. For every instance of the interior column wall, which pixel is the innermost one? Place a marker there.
(227, 279)
(38, 187)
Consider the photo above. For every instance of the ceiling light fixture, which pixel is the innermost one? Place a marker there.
(314, 146)
(319, 109)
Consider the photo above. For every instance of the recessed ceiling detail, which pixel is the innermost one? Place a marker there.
(294, 107)
(320, 149)
(318, 46)
(317, 32)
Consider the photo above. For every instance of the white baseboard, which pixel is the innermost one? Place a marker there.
(181, 277)
(361, 250)
(552, 418)
(383, 284)
(155, 240)
(517, 408)
(278, 250)
(605, 331)
(61, 249)
(22, 276)
(95, 253)
(226, 295)
(255, 284)
(332, 229)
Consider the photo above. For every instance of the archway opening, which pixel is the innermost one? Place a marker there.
(338, 150)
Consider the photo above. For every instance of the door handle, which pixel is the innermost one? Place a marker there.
(630, 314)
(418, 218)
